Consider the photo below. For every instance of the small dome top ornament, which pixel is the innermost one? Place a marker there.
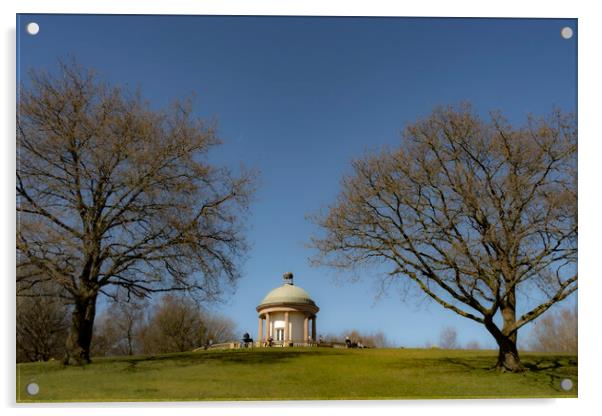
(288, 278)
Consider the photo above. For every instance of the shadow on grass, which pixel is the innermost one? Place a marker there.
(550, 363)
(481, 363)
(557, 366)
(550, 369)
(554, 369)
(540, 364)
(250, 357)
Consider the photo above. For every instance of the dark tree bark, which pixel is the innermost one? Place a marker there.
(470, 212)
(508, 357)
(82, 325)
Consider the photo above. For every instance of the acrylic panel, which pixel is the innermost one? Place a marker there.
(295, 208)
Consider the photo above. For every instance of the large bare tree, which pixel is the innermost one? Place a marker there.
(116, 194)
(481, 216)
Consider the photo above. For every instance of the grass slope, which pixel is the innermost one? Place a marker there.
(297, 374)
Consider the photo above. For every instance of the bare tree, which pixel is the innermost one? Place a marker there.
(556, 332)
(42, 323)
(174, 326)
(115, 194)
(216, 328)
(476, 213)
(118, 329)
(449, 338)
(105, 339)
(378, 339)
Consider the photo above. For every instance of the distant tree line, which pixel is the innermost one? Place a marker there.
(174, 324)
(448, 340)
(376, 339)
(556, 331)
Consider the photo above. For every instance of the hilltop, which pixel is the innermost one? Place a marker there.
(297, 374)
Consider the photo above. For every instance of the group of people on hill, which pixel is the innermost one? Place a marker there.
(355, 344)
(247, 340)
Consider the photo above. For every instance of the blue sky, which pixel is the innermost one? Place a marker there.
(298, 98)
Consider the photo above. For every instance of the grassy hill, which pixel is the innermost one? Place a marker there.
(297, 374)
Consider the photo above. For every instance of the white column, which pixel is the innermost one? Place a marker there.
(260, 329)
(305, 328)
(286, 331)
(268, 333)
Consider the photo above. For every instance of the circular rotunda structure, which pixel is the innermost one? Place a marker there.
(287, 311)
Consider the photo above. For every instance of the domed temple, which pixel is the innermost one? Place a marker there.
(286, 312)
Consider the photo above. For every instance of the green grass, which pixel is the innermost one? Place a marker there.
(297, 374)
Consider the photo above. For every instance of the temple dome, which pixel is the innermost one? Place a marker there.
(287, 293)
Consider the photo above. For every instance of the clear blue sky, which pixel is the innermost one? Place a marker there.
(299, 97)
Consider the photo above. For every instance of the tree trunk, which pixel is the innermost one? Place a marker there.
(80, 336)
(508, 358)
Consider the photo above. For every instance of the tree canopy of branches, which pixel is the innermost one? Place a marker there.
(478, 214)
(114, 194)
